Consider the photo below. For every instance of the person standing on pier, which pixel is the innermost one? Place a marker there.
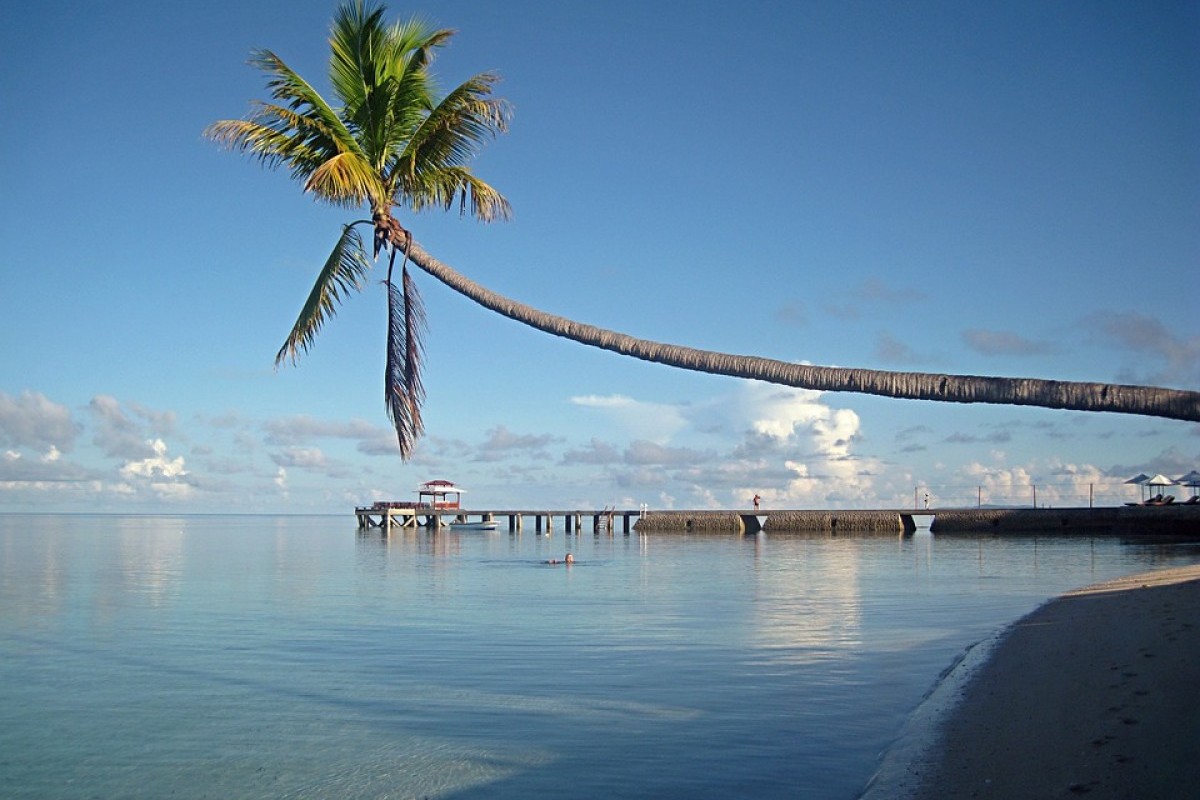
(757, 500)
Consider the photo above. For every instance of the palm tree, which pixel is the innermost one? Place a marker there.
(391, 144)
(1151, 401)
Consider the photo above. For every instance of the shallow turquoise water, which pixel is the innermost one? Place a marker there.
(231, 657)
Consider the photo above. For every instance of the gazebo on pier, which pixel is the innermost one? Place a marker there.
(439, 494)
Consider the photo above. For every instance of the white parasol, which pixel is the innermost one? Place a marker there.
(1159, 480)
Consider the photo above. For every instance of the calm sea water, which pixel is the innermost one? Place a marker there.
(256, 657)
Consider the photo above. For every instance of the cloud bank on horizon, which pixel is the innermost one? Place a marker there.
(792, 447)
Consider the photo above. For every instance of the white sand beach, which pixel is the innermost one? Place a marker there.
(1096, 694)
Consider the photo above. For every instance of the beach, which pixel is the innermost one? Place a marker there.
(1093, 695)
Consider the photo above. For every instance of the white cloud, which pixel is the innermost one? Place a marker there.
(1003, 343)
(1054, 482)
(501, 443)
(301, 458)
(814, 444)
(33, 420)
(654, 422)
(642, 452)
(301, 429)
(594, 452)
(116, 434)
(1176, 357)
(156, 466)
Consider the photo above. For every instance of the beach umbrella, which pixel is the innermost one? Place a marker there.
(1192, 479)
(1159, 480)
(1140, 479)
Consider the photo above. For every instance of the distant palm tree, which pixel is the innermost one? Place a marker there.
(392, 143)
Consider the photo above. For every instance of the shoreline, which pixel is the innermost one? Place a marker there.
(1092, 694)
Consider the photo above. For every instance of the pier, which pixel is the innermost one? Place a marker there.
(426, 515)
(1179, 520)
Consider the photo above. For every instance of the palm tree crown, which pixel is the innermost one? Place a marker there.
(391, 142)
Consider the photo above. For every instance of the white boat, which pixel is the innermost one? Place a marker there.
(484, 525)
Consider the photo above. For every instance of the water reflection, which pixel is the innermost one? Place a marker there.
(299, 656)
(808, 605)
(150, 566)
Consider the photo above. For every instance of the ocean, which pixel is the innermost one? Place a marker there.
(298, 657)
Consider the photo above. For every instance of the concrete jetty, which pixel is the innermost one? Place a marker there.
(1177, 520)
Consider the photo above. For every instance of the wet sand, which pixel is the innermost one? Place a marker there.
(1096, 694)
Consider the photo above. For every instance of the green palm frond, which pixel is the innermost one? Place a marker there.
(295, 93)
(364, 53)
(444, 188)
(432, 171)
(302, 132)
(404, 393)
(344, 272)
(381, 76)
(346, 179)
(264, 137)
(457, 128)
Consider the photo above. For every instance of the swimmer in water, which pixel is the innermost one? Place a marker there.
(568, 559)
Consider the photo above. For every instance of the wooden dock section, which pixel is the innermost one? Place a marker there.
(415, 515)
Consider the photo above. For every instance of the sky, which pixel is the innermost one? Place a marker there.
(971, 188)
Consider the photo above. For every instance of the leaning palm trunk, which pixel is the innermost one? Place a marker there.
(1152, 401)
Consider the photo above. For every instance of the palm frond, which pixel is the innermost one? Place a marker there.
(292, 91)
(344, 272)
(301, 131)
(458, 127)
(403, 391)
(346, 179)
(458, 184)
(357, 39)
(381, 75)
(432, 168)
(271, 136)
(365, 53)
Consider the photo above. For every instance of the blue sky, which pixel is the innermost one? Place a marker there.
(1006, 189)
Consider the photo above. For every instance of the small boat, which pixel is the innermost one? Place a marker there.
(478, 525)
